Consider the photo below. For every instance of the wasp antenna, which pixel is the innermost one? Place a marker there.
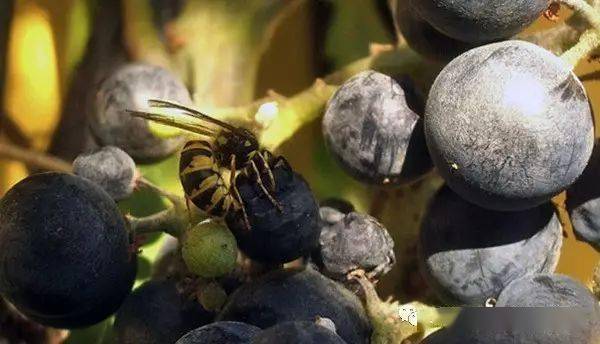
(164, 103)
(161, 103)
(140, 114)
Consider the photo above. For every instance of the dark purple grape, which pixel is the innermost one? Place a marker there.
(298, 295)
(509, 125)
(157, 312)
(298, 332)
(129, 88)
(469, 254)
(481, 20)
(583, 202)
(372, 127)
(221, 332)
(274, 236)
(65, 257)
(424, 38)
(353, 241)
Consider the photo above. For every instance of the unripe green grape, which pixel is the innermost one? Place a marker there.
(209, 249)
(212, 297)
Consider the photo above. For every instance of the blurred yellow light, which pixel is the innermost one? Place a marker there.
(11, 172)
(32, 95)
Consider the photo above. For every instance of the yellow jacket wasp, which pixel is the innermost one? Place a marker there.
(209, 165)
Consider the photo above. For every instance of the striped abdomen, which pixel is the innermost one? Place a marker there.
(201, 178)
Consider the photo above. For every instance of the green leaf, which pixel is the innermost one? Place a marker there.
(355, 24)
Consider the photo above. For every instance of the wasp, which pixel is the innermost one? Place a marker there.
(210, 165)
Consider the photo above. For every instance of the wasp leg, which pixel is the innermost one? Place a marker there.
(268, 169)
(263, 188)
(281, 161)
(237, 197)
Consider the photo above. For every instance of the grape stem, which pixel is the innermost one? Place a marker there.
(171, 221)
(292, 113)
(596, 281)
(287, 115)
(586, 10)
(590, 39)
(276, 118)
(389, 326)
(588, 42)
(12, 130)
(560, 37)
(34, 158)
(176, 200)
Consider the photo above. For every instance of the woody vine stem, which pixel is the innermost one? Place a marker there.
(590, 39)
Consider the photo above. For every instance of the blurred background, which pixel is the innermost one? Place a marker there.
(54, 53)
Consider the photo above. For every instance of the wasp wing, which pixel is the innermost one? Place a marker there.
(159, 103)
(174, 121)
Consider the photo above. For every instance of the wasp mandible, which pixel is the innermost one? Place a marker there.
(210, 165)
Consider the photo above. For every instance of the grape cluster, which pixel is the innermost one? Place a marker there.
(506, 124)
(68, 225)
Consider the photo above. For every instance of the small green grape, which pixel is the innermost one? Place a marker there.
(209, 249)
(212, 297)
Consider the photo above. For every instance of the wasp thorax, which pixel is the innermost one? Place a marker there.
(229, 144)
